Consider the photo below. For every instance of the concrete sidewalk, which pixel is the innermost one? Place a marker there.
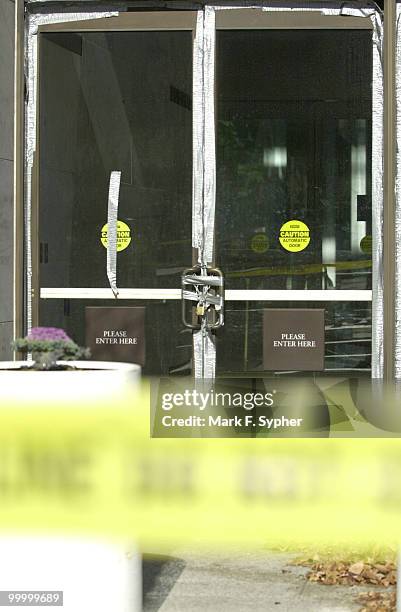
(239, 582)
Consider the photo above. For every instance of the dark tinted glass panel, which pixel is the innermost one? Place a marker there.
(294, 143)
(115, 101)
(348, 334)
(168, 344)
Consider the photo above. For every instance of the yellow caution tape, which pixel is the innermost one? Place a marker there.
(297, 270)
(94, 468)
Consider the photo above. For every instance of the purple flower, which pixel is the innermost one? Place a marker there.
(49, 334)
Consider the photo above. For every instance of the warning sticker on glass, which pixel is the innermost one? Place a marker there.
(123, 235)
(260, 243)
(366, 245)
(294, 236)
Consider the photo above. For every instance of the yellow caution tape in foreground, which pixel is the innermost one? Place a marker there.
(95, 469)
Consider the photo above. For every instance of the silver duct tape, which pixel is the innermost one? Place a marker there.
(36, 20)
(294, 7)
(209, 202)
(112, 216)
(377, 197)
(211, 281)
(208, 300)
(204, 172)
(357, 12)
(198, 138)
(30, 147)
(397, 355)
(31, 66)
(204, 355)
(204, 154)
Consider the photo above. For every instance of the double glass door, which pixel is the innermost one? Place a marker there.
(291, 142)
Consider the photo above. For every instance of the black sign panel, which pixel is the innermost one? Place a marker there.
(116, 334)
(293, 339)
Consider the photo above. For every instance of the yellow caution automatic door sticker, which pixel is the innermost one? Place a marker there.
(294, 236)
(123, 235)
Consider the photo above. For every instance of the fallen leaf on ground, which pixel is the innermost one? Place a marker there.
(357, 568)
(378, 601)
(340, 572)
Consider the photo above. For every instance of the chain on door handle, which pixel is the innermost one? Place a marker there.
(205, 286)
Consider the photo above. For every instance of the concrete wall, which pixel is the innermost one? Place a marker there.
(7, 8)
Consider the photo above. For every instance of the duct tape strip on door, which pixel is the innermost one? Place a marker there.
(204, 174)
(112, 215)
(398, 201)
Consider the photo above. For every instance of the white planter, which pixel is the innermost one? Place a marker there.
(92, 379)
(94, 575)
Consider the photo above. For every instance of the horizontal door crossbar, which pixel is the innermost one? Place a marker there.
(234, 295)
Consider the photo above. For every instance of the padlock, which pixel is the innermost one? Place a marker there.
(200, 310)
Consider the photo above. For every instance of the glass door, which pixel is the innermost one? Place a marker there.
(115, 95)
(243, 140)
(294, 154)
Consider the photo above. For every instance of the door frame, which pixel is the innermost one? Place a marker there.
(241, 18)
(124, 22)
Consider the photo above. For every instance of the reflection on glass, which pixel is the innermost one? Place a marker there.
(115, 101)
(294, 142)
